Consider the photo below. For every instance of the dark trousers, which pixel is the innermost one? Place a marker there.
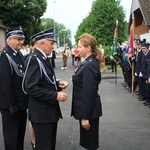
(72, 59)
(113, 66)
(123, 72)
(14, 129)
(138, 82)
(45, 134)
(128, 74)
(148, 91)
(146, 87)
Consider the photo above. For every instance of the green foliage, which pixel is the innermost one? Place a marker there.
(107, 50)
(101, 22)
(26, 13)
(61, 33)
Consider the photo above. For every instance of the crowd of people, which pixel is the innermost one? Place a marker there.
(136, 69)
(75, 55)
(29, 89)
(28, 82)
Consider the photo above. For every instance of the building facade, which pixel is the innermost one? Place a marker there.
(140, 17)
(2, 35)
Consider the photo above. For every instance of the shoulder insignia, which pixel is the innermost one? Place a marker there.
(14, 54)
(44, 57)
(83, 62)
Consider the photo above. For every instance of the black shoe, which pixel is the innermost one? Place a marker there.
(138, 94)
(33, 145)
(128, 88)
(146, 103)
(124, 85)
(142, 99)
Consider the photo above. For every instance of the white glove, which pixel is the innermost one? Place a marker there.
(140, 75)
(136, 74)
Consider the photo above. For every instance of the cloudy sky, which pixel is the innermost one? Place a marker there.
(72, 12)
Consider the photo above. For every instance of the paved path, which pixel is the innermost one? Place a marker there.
(125, 124)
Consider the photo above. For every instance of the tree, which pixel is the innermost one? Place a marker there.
(101, 22)
(61, 33)
(26, 13)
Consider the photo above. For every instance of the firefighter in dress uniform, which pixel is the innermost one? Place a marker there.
(13, 101)
(44, 92)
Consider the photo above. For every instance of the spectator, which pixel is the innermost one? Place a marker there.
(65, 54)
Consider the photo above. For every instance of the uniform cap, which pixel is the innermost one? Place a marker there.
(145, 45)
(138, 42)
(47, 34)
(16, 32)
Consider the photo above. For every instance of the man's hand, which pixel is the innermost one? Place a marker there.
(63, 84)
(62, 97)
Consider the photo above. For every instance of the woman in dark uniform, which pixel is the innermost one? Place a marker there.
(86, 103)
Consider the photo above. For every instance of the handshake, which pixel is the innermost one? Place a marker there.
(62, 96)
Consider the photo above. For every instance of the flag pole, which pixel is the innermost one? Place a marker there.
(116, 50)
(133, 54)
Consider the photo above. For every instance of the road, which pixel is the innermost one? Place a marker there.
(125, 124)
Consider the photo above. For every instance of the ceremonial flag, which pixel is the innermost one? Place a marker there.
(114, 46)
(131, 49)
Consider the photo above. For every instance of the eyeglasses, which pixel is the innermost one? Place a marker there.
(19, 39)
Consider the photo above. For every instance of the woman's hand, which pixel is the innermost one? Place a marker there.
(85, 124)
(63, 84)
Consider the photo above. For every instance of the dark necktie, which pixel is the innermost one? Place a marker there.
(49, 64)
(18, 56)
(48, 61)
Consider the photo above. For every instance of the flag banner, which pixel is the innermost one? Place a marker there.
(113, 53)
(131, 48)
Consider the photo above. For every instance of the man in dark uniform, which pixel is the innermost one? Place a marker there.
(138, 67)
(145, 73)
(44, 92)
(13, 101)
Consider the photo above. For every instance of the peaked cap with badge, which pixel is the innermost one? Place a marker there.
(138, 42)
(145, 45)
(16, 32)
(47, 34)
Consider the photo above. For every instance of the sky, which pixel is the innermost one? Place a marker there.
(72, 12)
